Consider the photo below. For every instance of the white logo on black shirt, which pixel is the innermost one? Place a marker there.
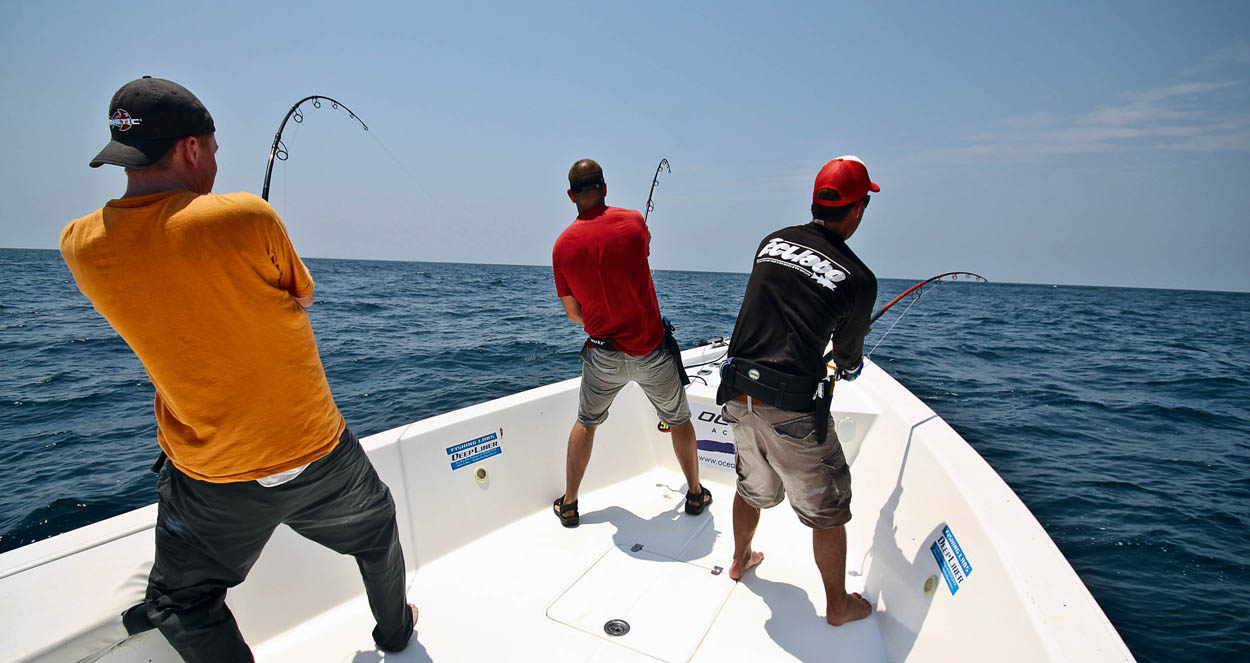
(815, 264)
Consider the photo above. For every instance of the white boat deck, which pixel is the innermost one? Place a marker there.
(496, 578)
(536, 591)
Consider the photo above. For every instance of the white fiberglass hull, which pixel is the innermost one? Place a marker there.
(497, 578)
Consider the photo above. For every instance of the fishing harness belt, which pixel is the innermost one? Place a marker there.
(668, 343)
(795, 393)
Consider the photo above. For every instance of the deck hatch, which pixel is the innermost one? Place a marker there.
(647, 602)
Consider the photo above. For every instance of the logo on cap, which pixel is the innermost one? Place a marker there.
(754, 374)
(122, 121)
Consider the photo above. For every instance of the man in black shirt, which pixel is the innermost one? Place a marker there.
(806, 287)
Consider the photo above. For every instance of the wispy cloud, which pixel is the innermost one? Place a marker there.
(1237, 55)
(1202, 116)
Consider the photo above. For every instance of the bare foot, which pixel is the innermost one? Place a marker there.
(413, 608)
(739, 569)
(853, 607)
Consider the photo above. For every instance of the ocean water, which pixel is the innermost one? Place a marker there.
(1120, 416)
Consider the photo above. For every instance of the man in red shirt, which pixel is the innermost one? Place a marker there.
(604, 282)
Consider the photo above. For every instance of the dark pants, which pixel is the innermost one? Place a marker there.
(208, 536)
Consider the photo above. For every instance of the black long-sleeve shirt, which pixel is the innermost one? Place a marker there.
(805, 287)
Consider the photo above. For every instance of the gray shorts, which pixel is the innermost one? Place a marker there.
(605, 372)
(777, 454)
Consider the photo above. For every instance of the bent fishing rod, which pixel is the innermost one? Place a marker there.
(278, 150)
(918, 291)
(655, 181)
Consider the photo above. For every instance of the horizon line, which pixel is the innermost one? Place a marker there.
(708, 271)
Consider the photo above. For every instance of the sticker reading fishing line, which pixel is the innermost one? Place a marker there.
(714, 437)
(474, 450)
(950, 559)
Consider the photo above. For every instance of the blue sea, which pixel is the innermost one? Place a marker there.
(1120, 416)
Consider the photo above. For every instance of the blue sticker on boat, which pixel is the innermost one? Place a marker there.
(951, 560)
(474, 450)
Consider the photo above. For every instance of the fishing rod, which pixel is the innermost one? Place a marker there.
(654, 183)
(918, 291)
(278, 150)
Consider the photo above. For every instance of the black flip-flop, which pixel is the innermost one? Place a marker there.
(704, 498)
(560, 507)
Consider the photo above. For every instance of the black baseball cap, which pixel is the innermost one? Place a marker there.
(146, 117)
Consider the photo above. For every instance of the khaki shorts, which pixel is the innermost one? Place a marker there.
(605, 372)
(777, 454)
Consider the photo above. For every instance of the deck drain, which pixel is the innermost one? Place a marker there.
(616, 627)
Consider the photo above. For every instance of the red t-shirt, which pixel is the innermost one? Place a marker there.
(601, 260)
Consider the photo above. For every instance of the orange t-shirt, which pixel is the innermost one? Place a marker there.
(202, 288)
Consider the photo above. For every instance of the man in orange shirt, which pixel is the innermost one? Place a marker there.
(209, 293)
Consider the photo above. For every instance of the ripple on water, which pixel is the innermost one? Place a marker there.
(1126, 432)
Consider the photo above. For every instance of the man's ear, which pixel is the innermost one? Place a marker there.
(570, 192)
(191, 151)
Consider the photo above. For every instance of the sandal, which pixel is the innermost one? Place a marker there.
(702, 499)
(561, 508)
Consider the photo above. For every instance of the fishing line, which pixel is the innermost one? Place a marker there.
(279, 152)
(285, 170)
(395, 158)
(954, 276)
(892, 325)
(917, 291)
(655, 181)
(416, 180)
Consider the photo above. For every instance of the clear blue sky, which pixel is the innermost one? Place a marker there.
(1084, 142)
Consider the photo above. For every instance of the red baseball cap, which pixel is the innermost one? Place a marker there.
(848, 176)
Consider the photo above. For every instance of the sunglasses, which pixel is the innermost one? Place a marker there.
(587, 186)
(866, 199)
